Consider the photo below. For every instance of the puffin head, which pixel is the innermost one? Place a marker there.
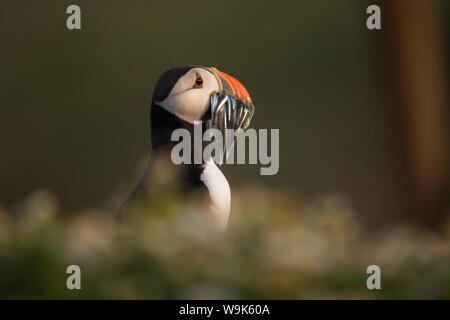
(182, 96)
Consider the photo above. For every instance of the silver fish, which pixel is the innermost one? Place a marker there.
(229, 112)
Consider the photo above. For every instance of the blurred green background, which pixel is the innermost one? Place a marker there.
(75, 104)
(363, 119)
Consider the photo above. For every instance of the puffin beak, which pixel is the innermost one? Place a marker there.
(231, 85)
(231, 108)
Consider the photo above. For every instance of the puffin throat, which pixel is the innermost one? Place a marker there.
(163, 123)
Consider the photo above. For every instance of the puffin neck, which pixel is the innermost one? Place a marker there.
(162, 125)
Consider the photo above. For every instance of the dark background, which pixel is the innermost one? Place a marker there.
(361, 113)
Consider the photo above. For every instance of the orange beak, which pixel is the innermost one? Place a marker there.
(231, 85)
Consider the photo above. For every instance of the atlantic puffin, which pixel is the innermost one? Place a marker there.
(181, 98)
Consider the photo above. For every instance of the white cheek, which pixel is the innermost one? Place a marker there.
(191, 104)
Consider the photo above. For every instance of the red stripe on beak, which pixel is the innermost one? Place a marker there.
(237, 87)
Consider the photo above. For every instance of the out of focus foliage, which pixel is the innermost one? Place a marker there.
(278, 245)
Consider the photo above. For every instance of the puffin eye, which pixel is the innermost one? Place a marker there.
(198, 82)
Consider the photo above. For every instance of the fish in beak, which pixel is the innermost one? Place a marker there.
(231, 107)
